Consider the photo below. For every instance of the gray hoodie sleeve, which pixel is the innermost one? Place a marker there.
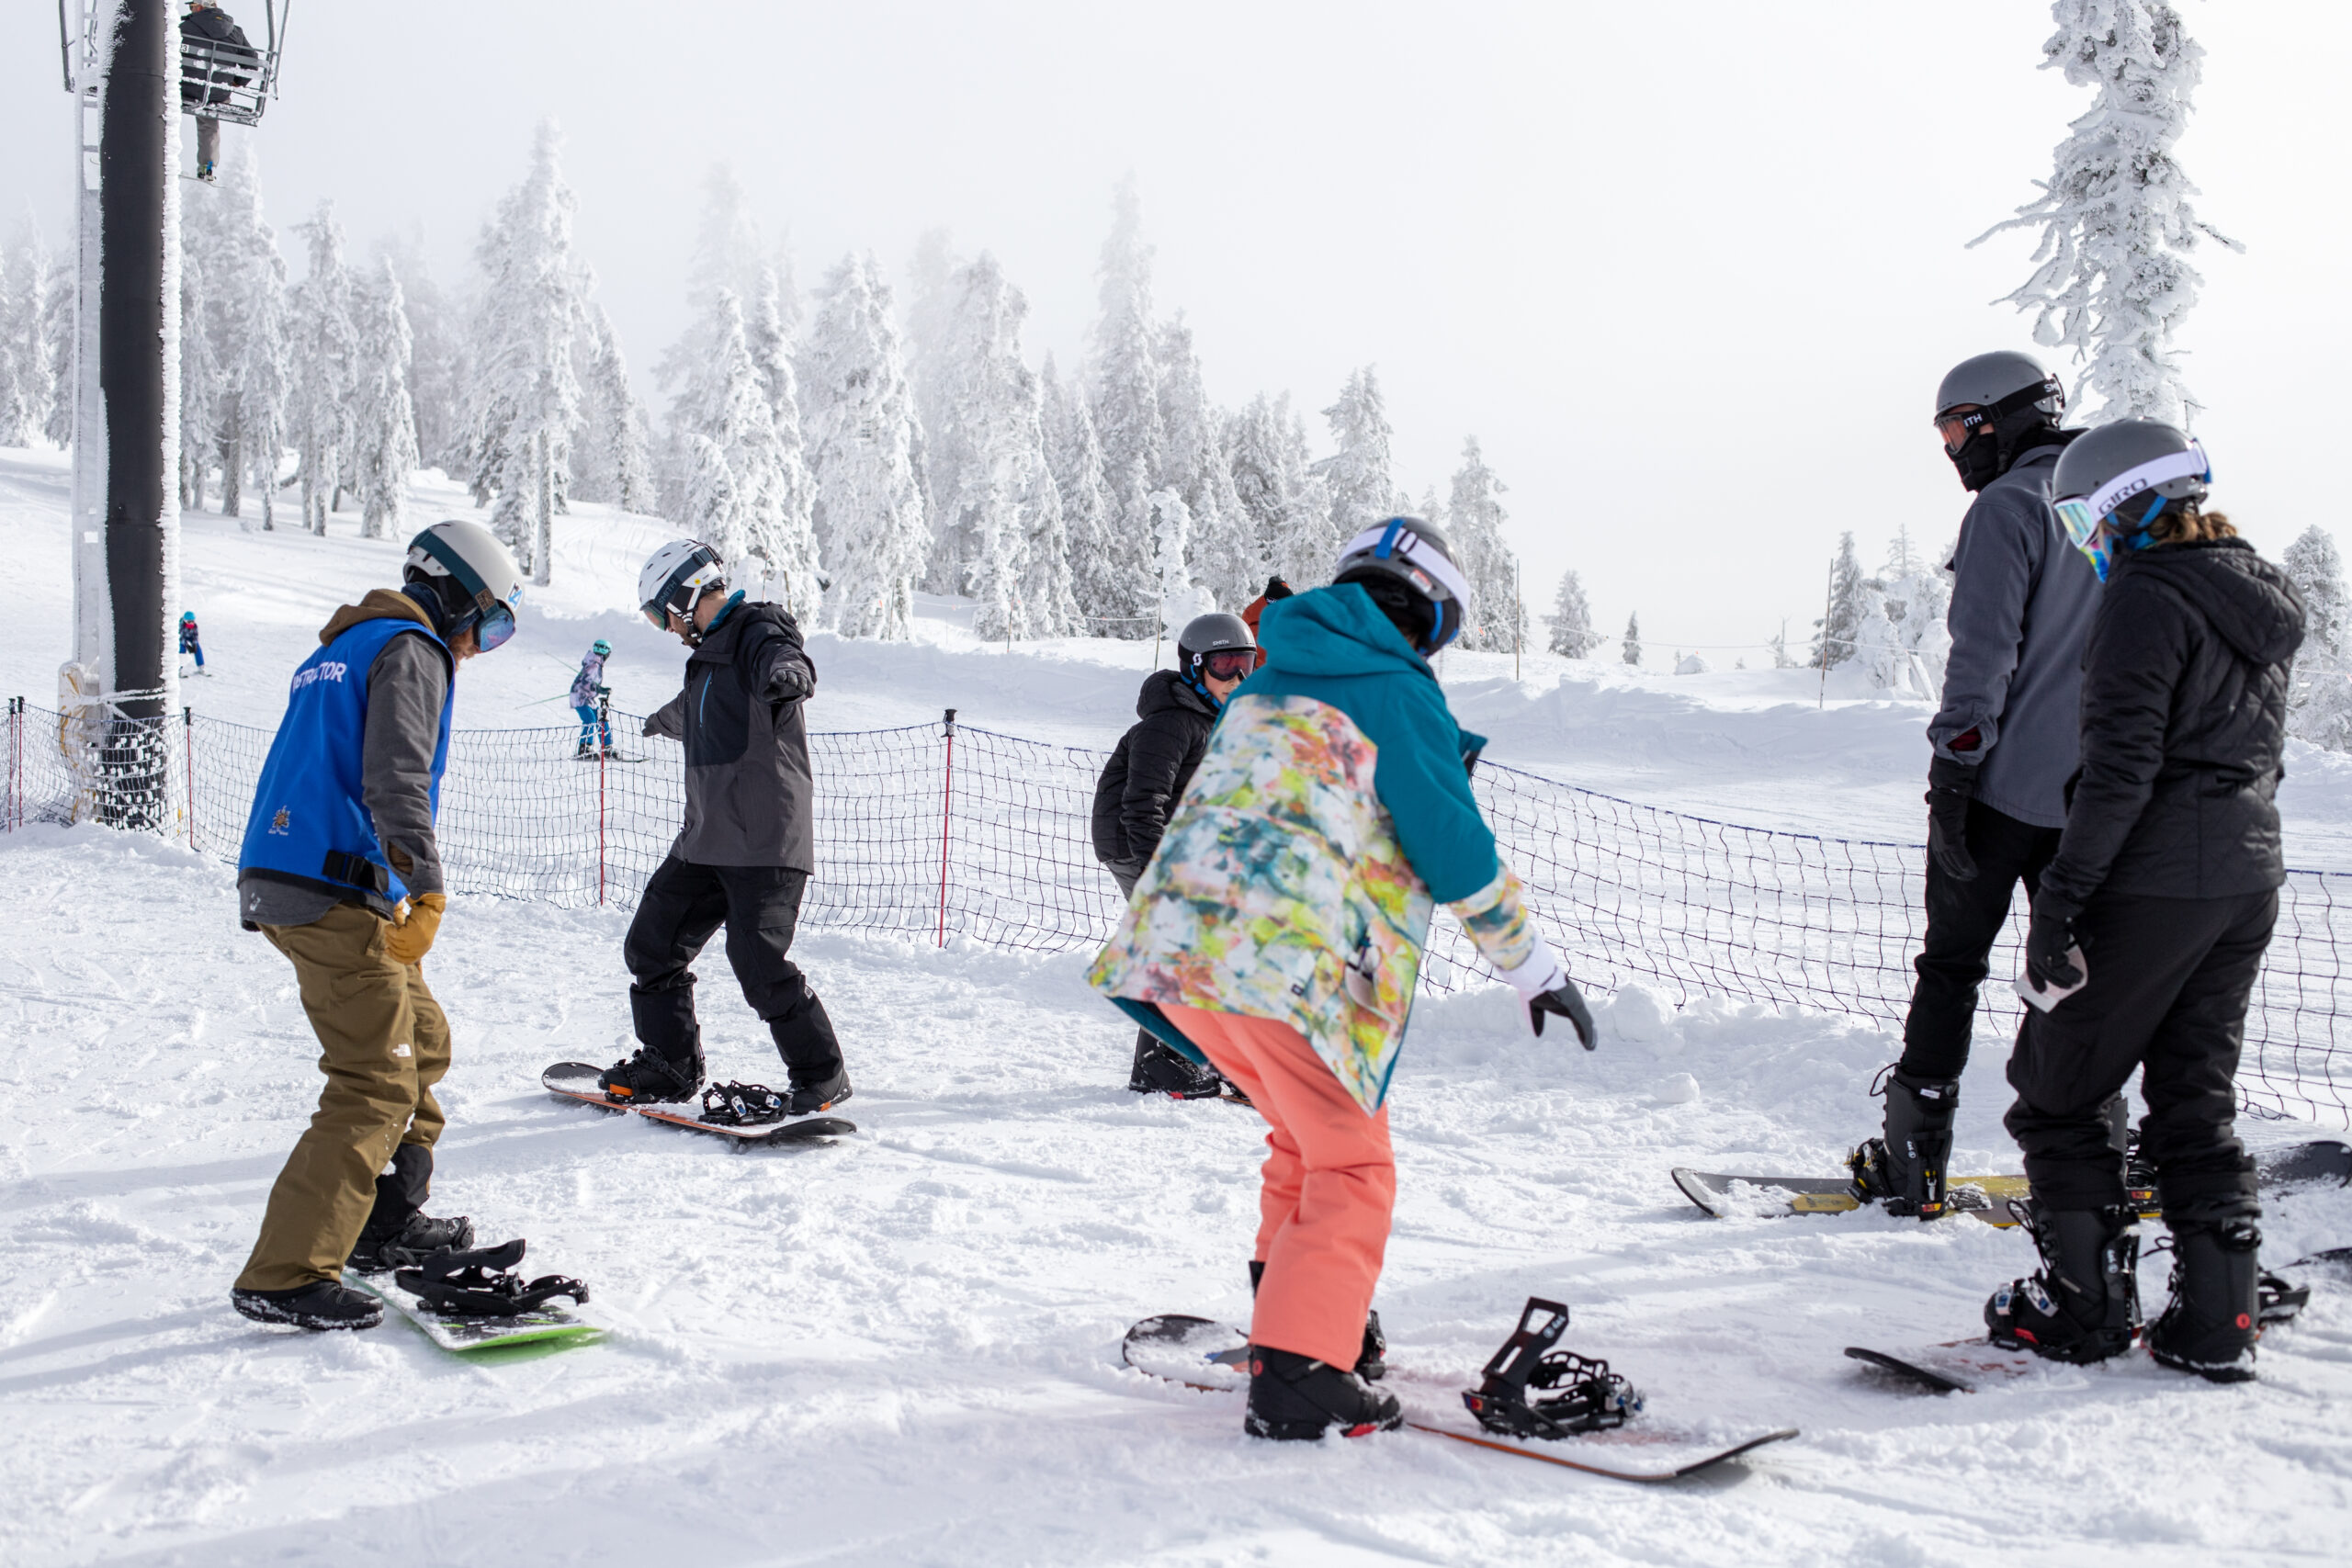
(407, 688)
(2001, 541)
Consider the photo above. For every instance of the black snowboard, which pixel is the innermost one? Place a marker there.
(577, 1080)
(1202, 1353)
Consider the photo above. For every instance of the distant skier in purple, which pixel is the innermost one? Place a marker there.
(189, 640)
(586, 687)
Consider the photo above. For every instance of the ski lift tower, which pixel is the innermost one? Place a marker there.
(127, 65)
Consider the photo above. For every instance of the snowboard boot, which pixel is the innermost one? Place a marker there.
(1296, 1398)
(2212, 1321)
(808, 1099)
(1905, 1171)
(1161, 1069)
(585, 753)
(2084, 1304)
(320, 1305)
(416, 1238)
(1372, 1360)
(649, 1077)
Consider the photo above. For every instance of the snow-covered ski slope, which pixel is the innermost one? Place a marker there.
(904, 1347)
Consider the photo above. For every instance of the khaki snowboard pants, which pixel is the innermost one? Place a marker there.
(386, 1043)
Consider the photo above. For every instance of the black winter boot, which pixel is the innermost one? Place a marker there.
(419, 1236)
(2084, 1304)
(1295, 1397)
(649, 1077)
(320, 1305)
(2212, 1323)
(1162, 1071)
(1906, 1170)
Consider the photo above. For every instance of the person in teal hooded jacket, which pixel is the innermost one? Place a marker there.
(1277, 936)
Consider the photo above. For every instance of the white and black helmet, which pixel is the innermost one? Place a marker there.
(2113, 481)
(676, 575)
(1416, 554)
(474, 575)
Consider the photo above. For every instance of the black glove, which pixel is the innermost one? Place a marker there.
(1277, 589)
(1951, 786)
(2049, 939)
(1565, 1001)
(791, 682)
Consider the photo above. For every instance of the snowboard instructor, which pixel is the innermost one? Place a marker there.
(2167, 884)
(340, 870)
(744, 856)
(2004, 743)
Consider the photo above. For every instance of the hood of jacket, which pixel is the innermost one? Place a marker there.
(2249, 602)
(1164, 690)
(1335, 631)
(380, 604)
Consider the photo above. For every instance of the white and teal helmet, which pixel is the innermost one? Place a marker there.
(475, 576)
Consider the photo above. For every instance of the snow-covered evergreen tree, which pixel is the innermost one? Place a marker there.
(1852, 603)
(869, 516)
(1497, 620)
(524, 406)
(1194, 464)
(200, 377)
(1288, 502)
(1364, 487)
(1913, 597)
(2319, 700)
(1573, 636)
(1779, 644)
(326, 360)
(1632, 649)
(748, 496)
(1074, 456)
(28, 384)
(2111, 279)
(1180, 598)
(1123, 377)
(611, 461)
(384, 434)
(249, 320)
(438, 364)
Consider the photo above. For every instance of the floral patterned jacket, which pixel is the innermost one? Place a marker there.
(1297, 875)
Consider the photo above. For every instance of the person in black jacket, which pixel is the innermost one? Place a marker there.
(1145, 778)
(745, 854)
(220, 48)
(2157, 906)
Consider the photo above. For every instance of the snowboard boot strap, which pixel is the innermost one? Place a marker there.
(2084, 1304)
(2279, 1298)
(482, 1283)
(742, 1105)
(2214, 1317)
(1594, 1398)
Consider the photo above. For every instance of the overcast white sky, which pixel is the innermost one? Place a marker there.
(1691, 272)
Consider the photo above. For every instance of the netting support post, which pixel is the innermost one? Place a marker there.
(604, 762)
(12, 810)
(187, 749)
(947, 811)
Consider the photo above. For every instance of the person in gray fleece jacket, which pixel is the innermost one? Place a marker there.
(2002, 745)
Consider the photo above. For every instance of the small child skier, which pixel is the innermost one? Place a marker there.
(1277, 935)
(190, 642)
(586, 686)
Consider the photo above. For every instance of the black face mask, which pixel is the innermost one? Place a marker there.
(1978, 459)
(1995, 449)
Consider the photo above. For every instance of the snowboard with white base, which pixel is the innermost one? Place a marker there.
(577, 1082)
(548, 1328)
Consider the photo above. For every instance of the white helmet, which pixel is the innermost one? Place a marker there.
(474, 573)
(674, 576)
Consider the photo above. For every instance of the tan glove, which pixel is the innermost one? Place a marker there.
(410, 941)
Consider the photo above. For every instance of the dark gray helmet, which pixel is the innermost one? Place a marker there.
(2108, 466)
(1212, 634)
(1997, 382)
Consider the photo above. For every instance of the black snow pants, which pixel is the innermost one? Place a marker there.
(1964, 919)
(684, 904)
(2169, 983)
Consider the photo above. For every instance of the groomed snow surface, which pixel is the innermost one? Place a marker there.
(903, 1348)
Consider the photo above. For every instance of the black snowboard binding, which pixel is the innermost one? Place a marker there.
(1162, 1069)
(649, 1077)
(2083, 1304)
(742, 1105)
(1592, 1398)
(418, 1237)
(1906, 1170)
(483, 1283)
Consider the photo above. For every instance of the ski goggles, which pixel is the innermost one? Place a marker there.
(1229, 663)
(2086, 518)
(495, 626)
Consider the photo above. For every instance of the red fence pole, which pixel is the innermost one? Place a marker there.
(187, 726)
(946, 806)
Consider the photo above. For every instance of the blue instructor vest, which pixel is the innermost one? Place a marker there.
(310, 825)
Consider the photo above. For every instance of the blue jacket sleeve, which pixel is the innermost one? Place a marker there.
(1426, 788)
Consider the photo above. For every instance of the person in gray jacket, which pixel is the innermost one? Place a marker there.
(744, 855)
(2004, 744)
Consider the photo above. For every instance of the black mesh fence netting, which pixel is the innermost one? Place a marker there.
(940, 832)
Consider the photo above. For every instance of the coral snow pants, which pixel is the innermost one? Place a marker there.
(1330, 1185)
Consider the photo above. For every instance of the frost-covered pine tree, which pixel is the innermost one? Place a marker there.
(325, 359)
(438, 366)
(1224, 558)
(248, 313)
(385, 448)
(29, 385)
(1573, 636)
(1276, 484)
(1075, 456)
(1850, 604)
(1901, 638)
(1180, 597)
(1123, 377)
(610, 462)
(525, 397)
(2319, 700)
(869, 516)
(1497, 619)
(2111, 279)
(200, 377)
(934, 292)
(1363, 488)
(1632, 650)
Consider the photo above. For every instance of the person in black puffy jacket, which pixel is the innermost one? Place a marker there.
(2158, 905)
(1145, 778)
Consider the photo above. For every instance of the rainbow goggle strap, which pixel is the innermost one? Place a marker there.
(2087, 517)
(493, 618)
(1437, 577)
